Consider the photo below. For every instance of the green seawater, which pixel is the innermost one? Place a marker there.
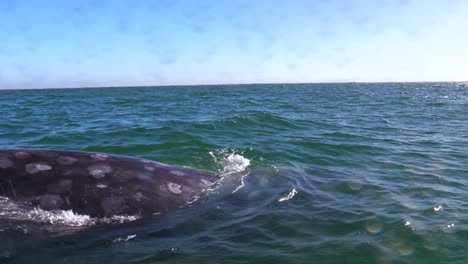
(338, 173)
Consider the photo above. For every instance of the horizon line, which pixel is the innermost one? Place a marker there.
(226, 84)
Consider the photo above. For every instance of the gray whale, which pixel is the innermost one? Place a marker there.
(97, 184)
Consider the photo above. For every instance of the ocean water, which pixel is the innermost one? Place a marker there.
(312, 173)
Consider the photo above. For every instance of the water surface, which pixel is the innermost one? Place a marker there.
(338, 173)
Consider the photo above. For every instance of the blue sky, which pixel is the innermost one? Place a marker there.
(56, 43)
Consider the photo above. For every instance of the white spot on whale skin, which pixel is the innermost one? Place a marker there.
(66, 160)
(43, 167)
(150, 168)
(6, 163)
(34, 168)
(139, 196)
(206, 183)
(101, 186)
(99, 170)
(96, 173)
(99, 156)
(174, 188)
(178, 173)
(22, 155)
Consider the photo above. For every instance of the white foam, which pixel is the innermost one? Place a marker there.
(16, 211)
(61, 217)
(289, 196)
(124, 239)
(229, 162)
(120, 219)
(235, 163)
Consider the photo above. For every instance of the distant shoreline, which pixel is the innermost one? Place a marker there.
(225, 84)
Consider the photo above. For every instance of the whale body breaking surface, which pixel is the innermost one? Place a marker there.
(97, 184)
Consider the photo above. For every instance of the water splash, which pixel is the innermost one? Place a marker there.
(235, 163)
(17, 211)
(229, 162)
(61, 217)
(438, 208)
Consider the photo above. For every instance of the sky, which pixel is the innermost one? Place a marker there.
(95, 43)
